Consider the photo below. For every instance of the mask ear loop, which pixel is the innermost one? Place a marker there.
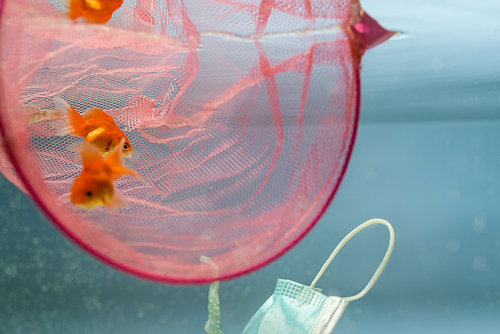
(380, 267)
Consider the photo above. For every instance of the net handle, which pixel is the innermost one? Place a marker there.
(380, 267)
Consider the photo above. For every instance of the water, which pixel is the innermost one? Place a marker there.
(427, 159)
(444, 68)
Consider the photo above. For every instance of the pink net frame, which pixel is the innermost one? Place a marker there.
(242, 115)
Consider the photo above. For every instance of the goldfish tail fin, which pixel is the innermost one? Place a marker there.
(115, 160)
(55, 114)
(75, 9)
(118, 200)
(89, 153)
(65, 130)
(75, 125)
(61, 104)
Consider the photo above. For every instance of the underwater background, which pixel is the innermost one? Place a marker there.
(426, 158)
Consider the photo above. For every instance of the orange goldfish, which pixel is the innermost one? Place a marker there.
(95, 126)
(94, 186)
(93, 11)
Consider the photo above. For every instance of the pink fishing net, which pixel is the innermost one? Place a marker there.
(242, 115)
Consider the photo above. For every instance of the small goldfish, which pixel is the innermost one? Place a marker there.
(94, 186)
(95, 126)
(93, 11)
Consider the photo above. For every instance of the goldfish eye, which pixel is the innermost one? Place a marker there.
(88, 194)
(125, 147)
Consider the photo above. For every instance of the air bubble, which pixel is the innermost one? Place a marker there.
(11, 269)
(479, 223)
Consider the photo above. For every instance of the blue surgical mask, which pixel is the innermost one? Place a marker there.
(298, 309)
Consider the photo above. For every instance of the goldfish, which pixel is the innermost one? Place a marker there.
(94, 186)
(93, 11)
(95, 126)
(35, 114)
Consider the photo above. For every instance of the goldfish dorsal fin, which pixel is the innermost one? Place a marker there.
(89, 153)
(97, 113)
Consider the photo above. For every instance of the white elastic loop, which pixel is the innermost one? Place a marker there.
(380, 267)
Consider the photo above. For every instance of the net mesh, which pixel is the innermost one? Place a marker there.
(242, 115)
